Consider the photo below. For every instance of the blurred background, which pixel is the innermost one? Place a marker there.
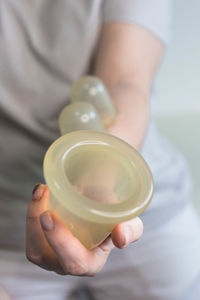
(177, 84)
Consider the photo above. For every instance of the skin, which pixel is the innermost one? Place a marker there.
(3, 294)
(127, 59)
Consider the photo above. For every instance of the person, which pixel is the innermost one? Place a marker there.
(45, 47)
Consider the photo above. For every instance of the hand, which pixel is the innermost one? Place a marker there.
(50, 245)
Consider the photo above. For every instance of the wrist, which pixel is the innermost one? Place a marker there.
(131, 123)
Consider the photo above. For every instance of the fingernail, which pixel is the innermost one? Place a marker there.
(46, 221)
(37, 192)
(128, 235)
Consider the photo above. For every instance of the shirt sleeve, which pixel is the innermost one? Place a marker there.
(153, 15)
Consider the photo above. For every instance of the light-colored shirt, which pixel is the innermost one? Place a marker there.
(45, 46)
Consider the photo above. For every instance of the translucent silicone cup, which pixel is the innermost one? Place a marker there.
(89, 220)
(79, 116)
(91, 89)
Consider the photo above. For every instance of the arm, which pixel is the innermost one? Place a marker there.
(127, 59)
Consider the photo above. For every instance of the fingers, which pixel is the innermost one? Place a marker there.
(34, 235)
(127, 232)
(74, 258)
(37, 248)
(53, 247)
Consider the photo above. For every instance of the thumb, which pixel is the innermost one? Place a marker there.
(127, 232)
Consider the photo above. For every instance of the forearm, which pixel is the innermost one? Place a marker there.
(127, 59)
(132, 120)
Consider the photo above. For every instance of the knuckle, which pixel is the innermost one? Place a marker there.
(95, 270)
(34, 258)
(76, 268)
(61, 272)
(31, 214)
(32, 211)
(59, 238)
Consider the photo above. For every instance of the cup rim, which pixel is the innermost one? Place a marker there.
(80, 206)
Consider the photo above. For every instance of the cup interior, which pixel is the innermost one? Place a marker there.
(101, 174)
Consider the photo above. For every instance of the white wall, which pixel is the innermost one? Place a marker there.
(178, 81)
